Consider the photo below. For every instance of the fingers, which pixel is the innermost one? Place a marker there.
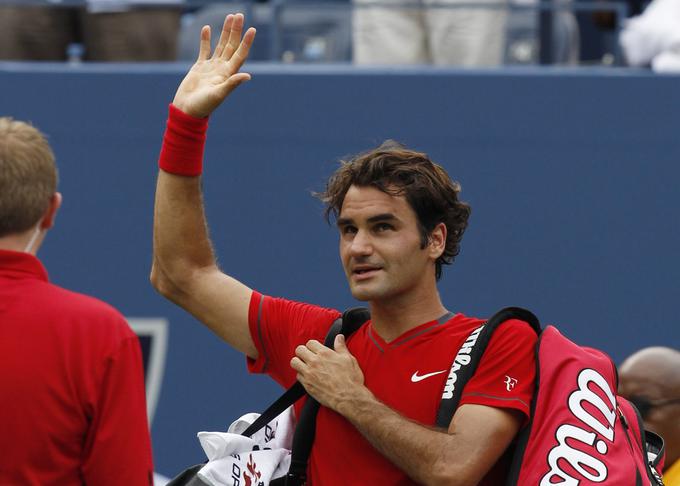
(204, 47)
(234, 37)
(224, 35)
(230, 41)
(298, 365)
(315, 346)
(232, 83)
(304, 353)
(243, 50)
(238, 78)
(339, 344)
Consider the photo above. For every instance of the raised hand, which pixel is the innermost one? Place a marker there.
(212, 78)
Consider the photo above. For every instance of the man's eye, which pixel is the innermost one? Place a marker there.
(348, 230)
(383, 227)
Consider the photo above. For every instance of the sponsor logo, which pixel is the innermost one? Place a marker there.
(462, 359)
(251, 476)
(591, 432)
(510, 382)
(236, 472)
(270, 432)
(415, 378)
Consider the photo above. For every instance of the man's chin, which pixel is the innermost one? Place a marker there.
(364, 294)
(361, 297)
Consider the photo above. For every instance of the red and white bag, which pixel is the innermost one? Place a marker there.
(581, 433)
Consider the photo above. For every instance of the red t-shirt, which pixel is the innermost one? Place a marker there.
(73, 409)
(407, 374)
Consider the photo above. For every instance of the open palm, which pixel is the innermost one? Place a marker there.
(212, 78)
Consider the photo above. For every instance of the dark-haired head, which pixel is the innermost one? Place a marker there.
(399, 171)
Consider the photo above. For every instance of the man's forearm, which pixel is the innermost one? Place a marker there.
(181, 242)
(181, 239)
(184, 268)
(462, 455)
(427, 455)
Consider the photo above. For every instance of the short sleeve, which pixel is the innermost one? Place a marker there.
(506, 374)
(277, 327)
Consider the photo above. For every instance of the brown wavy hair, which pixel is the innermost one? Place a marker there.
(399, 171)
(28, 176)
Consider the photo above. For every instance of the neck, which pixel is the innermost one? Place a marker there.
(21, 241)
(393, 317)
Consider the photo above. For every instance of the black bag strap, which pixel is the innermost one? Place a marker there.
(650, 444)
(305, 431)
(292, 394)
(654, 445)
(188, 477)
(350, 321)
(469, 355)
(289, 397)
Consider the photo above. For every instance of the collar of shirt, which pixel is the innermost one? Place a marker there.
(16, 264)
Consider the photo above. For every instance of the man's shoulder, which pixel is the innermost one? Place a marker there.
(511, 327)
(296, 310)
(74, 306)
(81, 301)
(462, 320)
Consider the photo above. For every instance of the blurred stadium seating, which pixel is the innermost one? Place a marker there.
(320, 31)
(300, 32)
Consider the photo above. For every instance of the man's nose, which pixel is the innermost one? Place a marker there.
(361, 243)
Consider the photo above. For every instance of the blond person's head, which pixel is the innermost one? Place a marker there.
(28, 176)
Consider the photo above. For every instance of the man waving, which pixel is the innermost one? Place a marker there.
(399, 220)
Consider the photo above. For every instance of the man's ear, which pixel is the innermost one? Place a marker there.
(437, 242)
(51, 213)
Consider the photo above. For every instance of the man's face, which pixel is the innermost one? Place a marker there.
(380, 247)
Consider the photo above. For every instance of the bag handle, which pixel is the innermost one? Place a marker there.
(474, 347)
(351, 320)
(292, 394)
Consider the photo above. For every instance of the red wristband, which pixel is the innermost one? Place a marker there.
(183, 143)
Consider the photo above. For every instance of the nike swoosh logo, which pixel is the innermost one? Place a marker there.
(416, 377)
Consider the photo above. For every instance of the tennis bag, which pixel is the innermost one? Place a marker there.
(580, 432)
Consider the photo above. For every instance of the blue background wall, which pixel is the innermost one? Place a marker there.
(574, 180)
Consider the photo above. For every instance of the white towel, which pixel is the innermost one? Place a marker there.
(251, 461)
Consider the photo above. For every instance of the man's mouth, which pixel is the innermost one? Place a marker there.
(364, 272)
